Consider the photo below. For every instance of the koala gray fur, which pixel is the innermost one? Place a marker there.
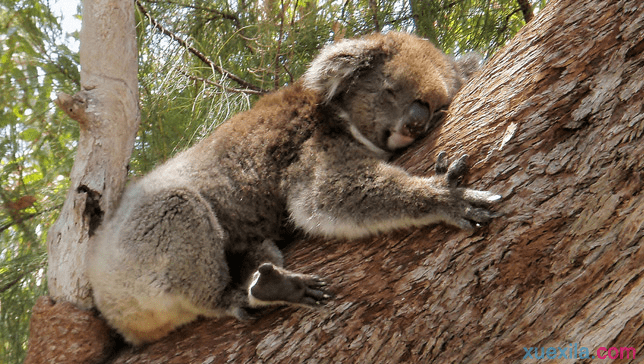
(195, 236)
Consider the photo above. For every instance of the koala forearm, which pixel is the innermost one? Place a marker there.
(337, 221)
(380, 198)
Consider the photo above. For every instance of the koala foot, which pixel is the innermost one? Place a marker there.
(272, 285)
(471, 206)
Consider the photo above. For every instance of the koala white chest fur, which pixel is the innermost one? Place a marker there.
(195, 236)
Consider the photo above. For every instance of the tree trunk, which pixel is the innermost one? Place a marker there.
(108, 115)
(554, 123)
(107, 111)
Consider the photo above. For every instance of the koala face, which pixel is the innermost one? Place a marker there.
(390, 89)
(386, 112)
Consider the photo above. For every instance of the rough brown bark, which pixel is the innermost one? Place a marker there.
(107, 111)
(61, 333)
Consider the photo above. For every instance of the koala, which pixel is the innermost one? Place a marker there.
(196, 236)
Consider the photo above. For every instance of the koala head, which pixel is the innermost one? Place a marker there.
(389, 88)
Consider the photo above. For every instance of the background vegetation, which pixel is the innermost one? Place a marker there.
(200, 62)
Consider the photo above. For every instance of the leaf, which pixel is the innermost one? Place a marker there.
(30, 134)
(21, 203)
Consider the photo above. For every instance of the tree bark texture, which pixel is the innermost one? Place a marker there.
(61, 333)
(554, 123)
(107, 111)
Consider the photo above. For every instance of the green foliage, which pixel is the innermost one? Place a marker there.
(184, 95)
(36, 146)
(268, 44)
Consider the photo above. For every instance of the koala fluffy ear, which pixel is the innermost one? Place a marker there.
(337, 64)
(468, 64)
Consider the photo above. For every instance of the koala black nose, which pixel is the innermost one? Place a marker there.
(419, 111)
(418, 118)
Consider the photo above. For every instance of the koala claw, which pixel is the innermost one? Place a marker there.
(315, 298)
(314, 293)
(452, 173)
(478, 197)
(442, 163)
(457, 170)
(470, 206)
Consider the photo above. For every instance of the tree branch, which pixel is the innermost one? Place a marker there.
(254, 89)
(506, 22)
(276, 65)
(218, 15)
(21, 219)
(217, 84)
(374, 12)
(526, 9)
(221, 14)
(12, 283)
(450, 5)
(74, 106)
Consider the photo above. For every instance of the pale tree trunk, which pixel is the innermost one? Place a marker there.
(107, 112)
(554, 123)
(108, 115)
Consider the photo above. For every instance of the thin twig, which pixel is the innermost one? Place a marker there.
(198, 54)
(526, 9)
(13, 283)
(374, 13)
(221, 14)
(276, 74)
(507, 21)
(217, 84)
(218, 15)
(292, 26)
(19, 278)
(21, 219)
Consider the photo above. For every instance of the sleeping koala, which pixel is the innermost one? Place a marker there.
(195, 236)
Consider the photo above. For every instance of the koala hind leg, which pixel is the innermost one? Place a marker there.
(258, 280)
(273, 285)
(269, 252)
(159, 263)
(243, 265)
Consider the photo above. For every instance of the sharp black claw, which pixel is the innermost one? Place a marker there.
(457, 170)
(442, 163)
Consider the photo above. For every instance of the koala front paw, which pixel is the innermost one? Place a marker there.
(469, 208)
(273, 285)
